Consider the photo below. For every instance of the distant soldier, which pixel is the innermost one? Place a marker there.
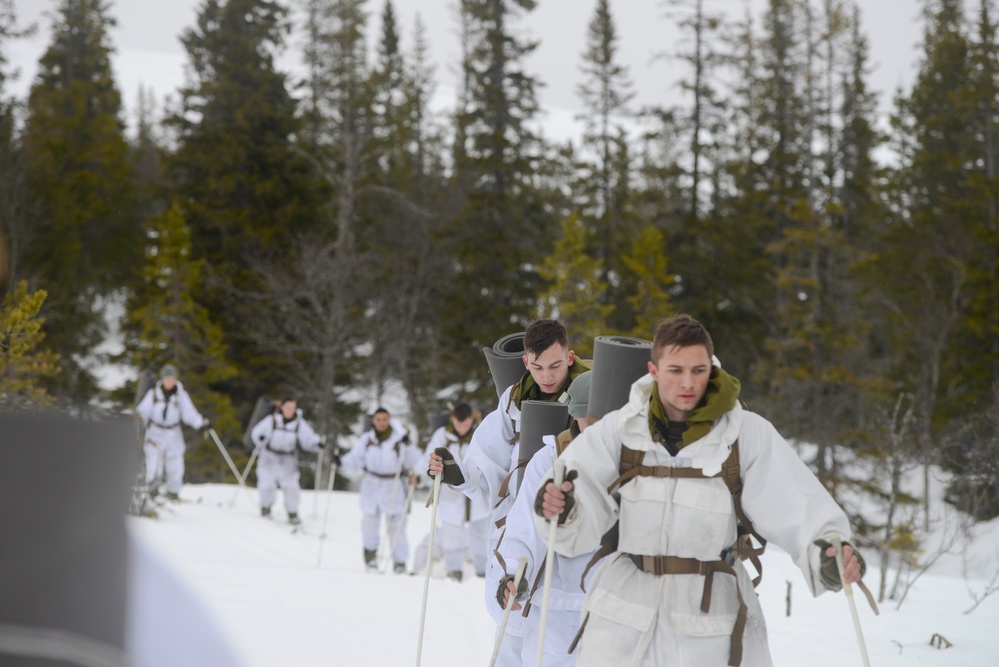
(164, 409)
(388, 458)
(279, 436)
(464, 522)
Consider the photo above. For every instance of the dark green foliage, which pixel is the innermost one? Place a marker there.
(84, 239)
(243, 185)
(502, 227)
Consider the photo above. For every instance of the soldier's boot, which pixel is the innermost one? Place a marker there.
(293, 518)
(454, 574)
(265, 511)
(399, 568)
(370, 559)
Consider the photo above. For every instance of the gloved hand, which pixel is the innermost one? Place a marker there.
(829, 571)
(570, 499)
(335, 457)
(451, 473)
(501, 590)
(206, 424)
(322, 441)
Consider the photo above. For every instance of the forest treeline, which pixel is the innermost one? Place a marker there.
(332, 230)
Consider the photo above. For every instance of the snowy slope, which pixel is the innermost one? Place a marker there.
(278, 604)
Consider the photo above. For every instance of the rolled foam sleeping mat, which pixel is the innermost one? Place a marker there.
(618, 361)
(506, 362)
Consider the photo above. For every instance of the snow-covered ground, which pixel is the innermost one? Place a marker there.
(292, 599)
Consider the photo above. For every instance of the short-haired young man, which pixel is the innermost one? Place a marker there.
(493, 452)
(672, 593)
(387, 458)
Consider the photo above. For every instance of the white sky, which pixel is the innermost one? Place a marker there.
(149, 52)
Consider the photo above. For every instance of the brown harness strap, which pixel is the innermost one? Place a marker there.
(380, 475)
(496, 552)
(606, 549)
(579, 633)
(655, 471)
(504, 489)
(534, 588)
(660, 565)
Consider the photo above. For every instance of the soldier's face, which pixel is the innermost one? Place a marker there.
(681, 375)
(169, 382)
(380, 421)
(462, 427)
(288, 409)
(550, 368)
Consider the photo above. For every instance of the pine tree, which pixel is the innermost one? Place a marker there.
(936, 200)
(25, 364)
(84, 233)
(604, 190)
(404, 203)
(12, 223)
(242, 181)
(650, 299)
(575, 288)
(503, 228)
(165, 323)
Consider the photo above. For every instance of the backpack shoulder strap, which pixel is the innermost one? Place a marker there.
(732, 474)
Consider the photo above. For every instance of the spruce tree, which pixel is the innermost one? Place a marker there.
(84, 240)
(165, 323)
(575, 287)
(503, 227)
(12, 199)
(604, 190)
(243, 184)
(936, 201)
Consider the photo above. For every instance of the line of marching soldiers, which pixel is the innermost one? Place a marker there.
(387, 462)
(670, 484)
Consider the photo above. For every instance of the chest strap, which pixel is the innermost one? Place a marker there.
(661, 565)
(656, 471)
(382, 475)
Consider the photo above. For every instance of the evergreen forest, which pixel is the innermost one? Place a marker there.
(323, 232)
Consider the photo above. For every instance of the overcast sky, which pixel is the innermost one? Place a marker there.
(149, 52)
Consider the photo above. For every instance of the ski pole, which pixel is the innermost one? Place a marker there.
(521, 566)
(848, 589)
(549, 566)
(326, 513)
(319, 474)
(228, 459)
(246, 473)
(405, 511)
(426, 575)
(385, 554)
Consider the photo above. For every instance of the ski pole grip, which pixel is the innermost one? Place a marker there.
(838, 543)
(559, 473)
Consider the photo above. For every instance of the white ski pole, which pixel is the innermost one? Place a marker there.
(430, 551)
(228, 459)
(549, 566)
(319, 474)
(405, 510)
(848, 589)
(245, 475)
(326, 513)
(385, 552)
(521, 566)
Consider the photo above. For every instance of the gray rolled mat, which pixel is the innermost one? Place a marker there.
(618, 361)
